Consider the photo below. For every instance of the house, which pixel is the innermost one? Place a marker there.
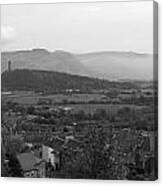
(151, 136)
(104, 99)
(69, 137)
(48, 155)
(32, 166)
(6, 93)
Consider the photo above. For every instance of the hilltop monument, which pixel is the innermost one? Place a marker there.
(9, 66)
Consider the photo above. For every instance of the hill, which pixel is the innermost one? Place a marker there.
(41, 59)
(119, 65)
(49, 81)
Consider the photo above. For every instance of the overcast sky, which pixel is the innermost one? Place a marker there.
(80, 27)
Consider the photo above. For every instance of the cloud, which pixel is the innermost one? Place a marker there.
(7, 34)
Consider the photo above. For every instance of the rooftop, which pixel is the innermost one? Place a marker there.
(28, 161)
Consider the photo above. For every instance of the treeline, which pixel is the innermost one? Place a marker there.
(46, 81)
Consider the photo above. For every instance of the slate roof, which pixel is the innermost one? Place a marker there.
(28, 161)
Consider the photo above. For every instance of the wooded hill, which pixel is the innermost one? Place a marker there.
(50, 81)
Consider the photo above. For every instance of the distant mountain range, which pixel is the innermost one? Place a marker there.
(105, 65)
(120, 65)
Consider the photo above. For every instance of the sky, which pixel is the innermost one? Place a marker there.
(78, 27)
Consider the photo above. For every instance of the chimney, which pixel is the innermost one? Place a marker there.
(9, 66)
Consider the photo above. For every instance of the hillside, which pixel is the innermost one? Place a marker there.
(119, 65)
(49, 81)
(41, 59)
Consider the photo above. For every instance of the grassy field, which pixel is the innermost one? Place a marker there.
(31, 98)
(109, 108)
(28, 98)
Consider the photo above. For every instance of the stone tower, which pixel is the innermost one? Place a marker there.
(9, 66)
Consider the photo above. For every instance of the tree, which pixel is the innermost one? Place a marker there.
(14, 167)
(97, 155)
(14, 146)
(31, 110)
(100, 114)
(80, 115)
(92, 158)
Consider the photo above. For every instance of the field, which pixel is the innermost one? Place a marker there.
(32, 98)
(109, 108)
(80, 101)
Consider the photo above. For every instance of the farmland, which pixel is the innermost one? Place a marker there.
(33, 98)
(77, 102)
